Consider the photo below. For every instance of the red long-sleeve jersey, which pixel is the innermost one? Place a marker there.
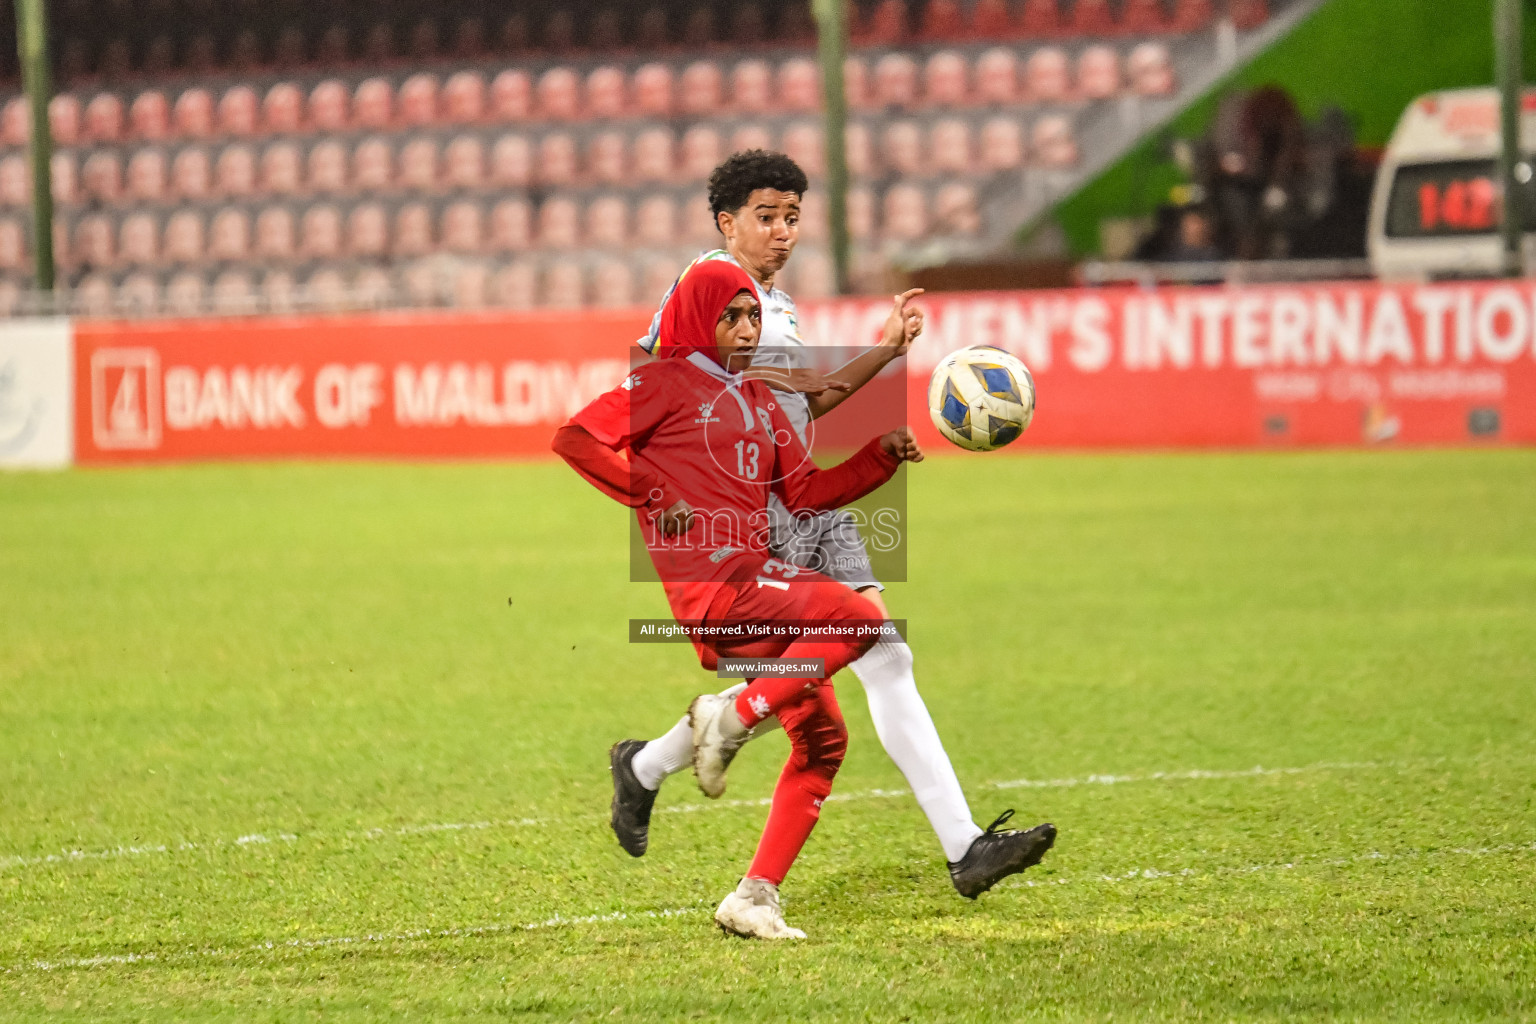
(719, 443)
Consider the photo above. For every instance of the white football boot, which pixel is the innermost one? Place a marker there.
(752, 912)
(717, 735)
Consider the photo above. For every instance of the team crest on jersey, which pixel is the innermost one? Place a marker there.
(631, 382)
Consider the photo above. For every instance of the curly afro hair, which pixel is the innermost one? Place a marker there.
(733, 182)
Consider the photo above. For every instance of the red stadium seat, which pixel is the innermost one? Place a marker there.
(885, 26)
(653, 90)
(1192, 16)
(327, 172)
(184, 294)
(418, 164)
(901, 148)
(192, 174)
(373, 288)
(149, 115)
(64, 119)
(990, 20)
(245, 54)
(699, 27)
(557, 160)
(16, 180)
(607, 161)
(229, 236)
(515, 286)
(697, 222)
(653, 155)
(956, 210)
(1041, 19)
(463, 228)
(564, 286)
(813, 275)
(193, 114)
(464, 163)
(559, 223)
(471, 286)
(750, 136)
(92, 295)
(329, 107)
(905, 213)
(613, 285)
(464, 97)
(138, 294)
(280, 169)
(234, 173)
(657, 275)
(859, 150)
(237, 111)
(997, 77)
(423, 41)
(103, 118)
(752, 87)
(325, 289)
(511, 162)
(159, 55)
(373, 165)
(656, 221)
(605, 30)
(896, 82)
(701, 152)
(749, 27)
(560, 31)
(942, 20)
(379, 44)
(607, 222)
(320, 233)
(511, 96)
(651, 30)
(16, 122)
(1093, 18)
(513, 34)
(1002, 145)
(13, 245)
(511, 225)
(1054, 143)
(291, 49)
(367, 231)
(605, 93)
(944, 80)
(233, 293)
(279, 291)
(418, 100)
(949, 147)
(147, 173)
(861, 213)
(64, 174)
(1150, 69)
(794, 23)
(373, 104)
(701, 88)
(184, 237)
(469, 38)
(803, 143)
(1098, 73)
(63, 255)
(800, 86)
(116, 61)
(559, 94)
(813, 217)
(1048, 76)
(138, 240)
(102, 176)
(1144, 17)
(282, 112)
(1248, 14)
(334, 47)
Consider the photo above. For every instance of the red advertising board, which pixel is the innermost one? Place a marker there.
(1178, 367)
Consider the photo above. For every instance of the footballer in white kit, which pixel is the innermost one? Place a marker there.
(755, 197)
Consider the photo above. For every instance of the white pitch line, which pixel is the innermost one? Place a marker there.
(558, 921)
(381, 832)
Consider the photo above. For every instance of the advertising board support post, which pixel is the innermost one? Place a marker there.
(1513, 167)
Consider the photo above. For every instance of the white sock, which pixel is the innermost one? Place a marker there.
(907, 732)
(672, 751)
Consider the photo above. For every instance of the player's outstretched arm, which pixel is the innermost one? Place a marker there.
(902, 326)
(811, 489)
(620, 479)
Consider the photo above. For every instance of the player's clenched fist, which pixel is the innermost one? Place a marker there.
(676, 520)
(902, 444)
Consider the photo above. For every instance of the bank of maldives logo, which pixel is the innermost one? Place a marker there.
(125, 398)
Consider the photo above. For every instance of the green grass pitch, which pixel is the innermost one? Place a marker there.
(328, 742)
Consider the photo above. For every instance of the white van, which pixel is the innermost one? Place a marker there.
(1437, 206)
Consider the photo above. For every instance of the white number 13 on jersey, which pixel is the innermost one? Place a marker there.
(746, 459)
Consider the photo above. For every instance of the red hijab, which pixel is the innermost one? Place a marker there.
(700, 296)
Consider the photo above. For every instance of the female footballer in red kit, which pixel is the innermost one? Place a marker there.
(706, 447)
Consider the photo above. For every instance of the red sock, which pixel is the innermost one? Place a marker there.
(763, 698)
(818, 740)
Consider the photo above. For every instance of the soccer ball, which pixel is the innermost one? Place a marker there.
(981, 398)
